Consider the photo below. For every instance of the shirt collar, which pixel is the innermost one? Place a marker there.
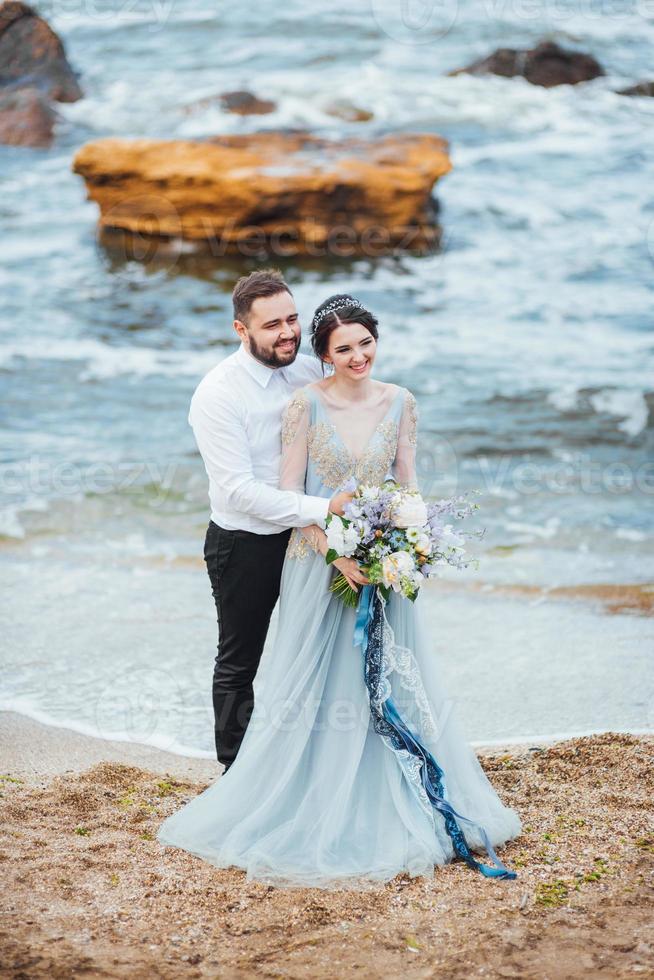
(260, 372)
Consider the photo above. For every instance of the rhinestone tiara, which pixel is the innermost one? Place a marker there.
(337, 304)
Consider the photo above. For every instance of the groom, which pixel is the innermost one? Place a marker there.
(236, 418)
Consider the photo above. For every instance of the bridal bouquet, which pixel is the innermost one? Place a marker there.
(397, 538)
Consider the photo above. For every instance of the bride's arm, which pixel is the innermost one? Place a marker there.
(292, 476)
(404, 465)
(295, 455)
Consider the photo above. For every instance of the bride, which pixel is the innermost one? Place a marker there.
(321, 793)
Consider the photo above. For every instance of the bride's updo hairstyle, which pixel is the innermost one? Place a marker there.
(336, 310)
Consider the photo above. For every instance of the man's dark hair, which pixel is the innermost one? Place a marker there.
(262, 282)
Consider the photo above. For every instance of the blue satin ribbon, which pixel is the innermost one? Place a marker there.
(364, 616)
(430, 772)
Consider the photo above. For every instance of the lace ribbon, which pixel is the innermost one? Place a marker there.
(374, 634)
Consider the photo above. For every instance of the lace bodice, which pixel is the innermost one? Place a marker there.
(323, 445)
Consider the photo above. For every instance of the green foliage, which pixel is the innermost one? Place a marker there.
(164, 788)
(342, 588)
(552, 894)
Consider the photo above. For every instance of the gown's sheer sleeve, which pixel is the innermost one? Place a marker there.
(404, 465)
(296, 418)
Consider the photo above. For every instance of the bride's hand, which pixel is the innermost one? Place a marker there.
(352, 571)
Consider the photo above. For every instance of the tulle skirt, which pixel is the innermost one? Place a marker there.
(315, 798)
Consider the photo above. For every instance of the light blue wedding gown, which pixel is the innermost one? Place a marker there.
(317, 796)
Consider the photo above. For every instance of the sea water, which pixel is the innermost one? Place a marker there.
(527, 339)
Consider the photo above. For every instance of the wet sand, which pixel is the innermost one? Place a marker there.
(88, 889)
(635, 598)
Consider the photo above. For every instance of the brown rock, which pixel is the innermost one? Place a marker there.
(547, 64)
(246, 104)
(641, 88)
(286, 190)
(32, 56)
(26, 118)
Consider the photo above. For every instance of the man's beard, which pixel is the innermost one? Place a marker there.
(273, 358)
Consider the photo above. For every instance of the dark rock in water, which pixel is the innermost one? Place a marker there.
(33, 72)
(246, 104)
(641, 88)
(31, 55)
(26, 118)
(242, 102)
(547, 64)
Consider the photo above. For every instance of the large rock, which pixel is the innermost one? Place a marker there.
(284, 190)
(33, 73)
(26, 118)
(32, 55)
(547, 64)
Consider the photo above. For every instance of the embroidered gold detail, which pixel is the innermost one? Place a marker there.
(335, 465)
(412, 409)
(299, 546)
(292, 416)
(332, 464)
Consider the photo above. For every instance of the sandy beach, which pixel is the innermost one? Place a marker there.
(88, 890)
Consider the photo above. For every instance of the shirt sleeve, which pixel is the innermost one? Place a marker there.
(404, 466)
(222, 440)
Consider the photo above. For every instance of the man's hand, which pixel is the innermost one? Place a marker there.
(339, 501)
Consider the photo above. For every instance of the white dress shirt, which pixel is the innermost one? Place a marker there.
(236, 415)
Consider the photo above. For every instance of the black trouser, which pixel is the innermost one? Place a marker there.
(245, 571)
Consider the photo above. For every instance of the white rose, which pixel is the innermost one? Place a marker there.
(411, 510)
(334, 532)
(423, 545)
(394, 566)
(350, 540)
(367, 492)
